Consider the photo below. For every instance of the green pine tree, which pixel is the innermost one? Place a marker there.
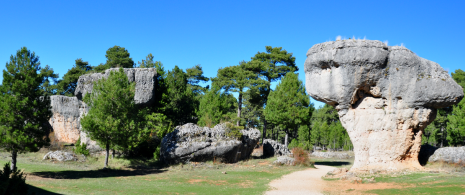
(24, 105)
(215, 107)
(288, 104)
(272, 65)
(238, 79)
(113, 117)
(180, 104)
(456, 119)
(68, 84)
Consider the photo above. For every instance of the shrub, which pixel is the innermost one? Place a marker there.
(81, 148)
(301, 157)
(12, 182)
(233, 131)
(294, 143)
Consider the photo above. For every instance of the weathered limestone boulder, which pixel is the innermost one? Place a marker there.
(273, 148)
(60, 156)
(385, 97)
(67, 111)
(449, 155)
(190, 142)
(338, 155)
(284, 160)
(145, 79)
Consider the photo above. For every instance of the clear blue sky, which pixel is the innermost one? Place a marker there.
(221, 33)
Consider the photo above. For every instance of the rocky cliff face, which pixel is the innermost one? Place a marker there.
(385, 97)
(67, 111)
(65, 120)
(145, 79)
(190, 142)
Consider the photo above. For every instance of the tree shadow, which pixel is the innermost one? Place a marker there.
(101, 173)
(36, 190)
(333, 163)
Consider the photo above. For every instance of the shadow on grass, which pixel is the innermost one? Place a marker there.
(36, 190)
(334, 163)
(101, 173)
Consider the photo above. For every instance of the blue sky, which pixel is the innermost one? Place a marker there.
(221, 33)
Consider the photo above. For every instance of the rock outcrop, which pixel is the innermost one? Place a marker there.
(67, 111)
(449, 155)
(190, 142)
(145, 79)
(273, 148)
(65, 121)
(385, 97)
(338, 155)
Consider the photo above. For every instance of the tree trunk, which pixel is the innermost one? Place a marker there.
(442, 136)
(112, 153)
(286, 138)
(239, 108)
(264, 130)
(107, 154)
(14, 154)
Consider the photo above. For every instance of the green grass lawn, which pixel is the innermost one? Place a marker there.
(138, 177)
(424, 183)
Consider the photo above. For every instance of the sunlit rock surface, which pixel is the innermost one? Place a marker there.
(385, 97)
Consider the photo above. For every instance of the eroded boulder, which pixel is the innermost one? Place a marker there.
(190, 142)
(385, 97)
(273, 148)
(449, 155)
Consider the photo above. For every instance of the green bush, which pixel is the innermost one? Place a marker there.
(12, 182)
(233, 131)
(81, 148)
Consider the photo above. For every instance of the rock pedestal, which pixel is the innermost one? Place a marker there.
(385, 97)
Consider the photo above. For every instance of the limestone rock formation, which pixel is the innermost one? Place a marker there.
(273, 148)
(190, 142)
(145, 79)
(385, 97)
(61, 156)
(284, 160)
(65, 121)
(338, 155)
(449, 155)
(67, 111)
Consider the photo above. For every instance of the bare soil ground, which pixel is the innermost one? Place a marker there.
(301, 182)
(310, 182)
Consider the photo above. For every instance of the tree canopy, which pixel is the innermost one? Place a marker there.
(68, 84)
(24, 105)
(112, 118)
(287, 105)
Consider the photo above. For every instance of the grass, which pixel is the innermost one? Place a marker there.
(424, 183)
(136, 176)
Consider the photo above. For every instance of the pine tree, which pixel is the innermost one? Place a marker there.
(24, 105)
(180, 104)
(272, 65)
(68, 84)
(238, 79)
(118, 57)
(215, 107)
(113, 118)
(456, 119)
(288, 104)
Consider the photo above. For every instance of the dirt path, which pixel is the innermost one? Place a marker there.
(301, 182)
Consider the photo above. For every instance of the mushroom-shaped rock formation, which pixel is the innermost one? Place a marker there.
(385, 97)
